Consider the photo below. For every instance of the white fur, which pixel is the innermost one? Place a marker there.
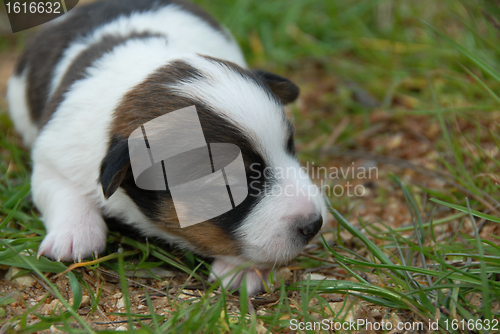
(183, 31)
(68, 152)
(74, 222)
(19, 110)
(231, 272)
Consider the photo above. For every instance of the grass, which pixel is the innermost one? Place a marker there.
(412, 87)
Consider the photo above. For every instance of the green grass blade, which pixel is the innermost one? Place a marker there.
(479, 62)
(464, 209)
(484, 274)
(76, 288)
(355, 232)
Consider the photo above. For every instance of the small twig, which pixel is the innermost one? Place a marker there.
(491, 19)
(458, 263)
(263, 301)
(318, 258)
(102, 259)
(190, 294)
(374, 129)
(104, 314)
(319, 268)
(42, 283)
(337, 131)
(119, 321)
(480, 223)
(195, 287)
(135, 282)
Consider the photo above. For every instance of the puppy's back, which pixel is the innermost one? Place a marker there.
(62, 52)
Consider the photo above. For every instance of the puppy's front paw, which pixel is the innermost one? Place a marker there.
(75, 241)
(231, 279)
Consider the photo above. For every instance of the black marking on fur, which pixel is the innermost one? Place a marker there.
(114, 166)
(228, 188)
(290, 143)
(164, 174)
(211, 159)
(145, 136)
(283, 88)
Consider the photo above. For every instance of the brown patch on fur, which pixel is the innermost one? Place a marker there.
(206, 238)
(152, 99)
(210, 240)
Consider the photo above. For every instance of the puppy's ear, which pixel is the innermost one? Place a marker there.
(114, 166)
(283, 88)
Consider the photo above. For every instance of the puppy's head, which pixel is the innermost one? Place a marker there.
(283, 210)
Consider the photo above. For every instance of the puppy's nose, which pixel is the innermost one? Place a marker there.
(312, 228)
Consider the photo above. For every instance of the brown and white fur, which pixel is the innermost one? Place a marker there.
(88, 79)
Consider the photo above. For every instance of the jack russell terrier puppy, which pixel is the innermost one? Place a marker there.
(87, 80)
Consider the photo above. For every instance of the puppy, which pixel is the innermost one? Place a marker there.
(87, 80)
